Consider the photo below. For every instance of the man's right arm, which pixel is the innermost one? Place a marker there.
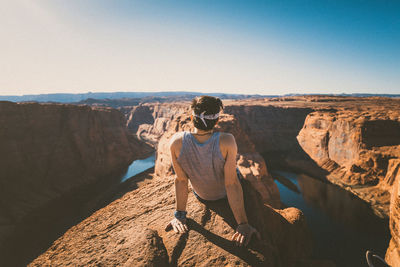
(181, 188)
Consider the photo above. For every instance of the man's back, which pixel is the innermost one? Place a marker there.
(202, 158)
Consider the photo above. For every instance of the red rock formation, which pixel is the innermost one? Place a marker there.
(393, 251)
(150, 121)
(353, 152)
(331, 138)
(50, 150)
(109, 236)
(353, 142)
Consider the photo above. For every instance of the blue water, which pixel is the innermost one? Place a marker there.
(138, 166)
(343, 227)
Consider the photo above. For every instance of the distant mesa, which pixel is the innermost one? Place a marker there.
(73, 98)
(162, 95)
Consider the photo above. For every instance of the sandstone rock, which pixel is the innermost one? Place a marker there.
(273, 129)
(393, 171)
(341, 143)
(393, 251)
(110, 236)
(332, 138)
(150, 121)
(107, 237)
(49, 150)
(352, 142)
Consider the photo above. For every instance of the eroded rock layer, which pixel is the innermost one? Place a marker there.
(352, 142)
(393, 251)
(50, 150)
(150, 121)
(110, 236)
(348, 141)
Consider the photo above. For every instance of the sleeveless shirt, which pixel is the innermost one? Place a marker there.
(204, 165)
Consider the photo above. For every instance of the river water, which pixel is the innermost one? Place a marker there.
(138, 166)
(343, 226)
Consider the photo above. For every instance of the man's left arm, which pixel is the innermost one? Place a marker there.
(234, 191)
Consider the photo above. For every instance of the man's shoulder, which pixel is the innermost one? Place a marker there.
(227, 139)
(176, 139)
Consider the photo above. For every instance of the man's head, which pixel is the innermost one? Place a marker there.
(205, 111)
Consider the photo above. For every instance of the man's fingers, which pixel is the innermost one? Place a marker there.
(237, 239)
(186, 228)
(181, 228)
(175, 228)
(241, 240)
(234, 236)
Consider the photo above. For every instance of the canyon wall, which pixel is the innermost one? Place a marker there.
(50, 150)
(355, 149)
(348, 141)
(131, 230)
(150, 121)
(393, 251)
(352, 142)
(273, 129)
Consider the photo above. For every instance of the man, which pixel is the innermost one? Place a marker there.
(208, 160)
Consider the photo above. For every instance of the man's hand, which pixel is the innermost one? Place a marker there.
(243, 234)
(179, 226)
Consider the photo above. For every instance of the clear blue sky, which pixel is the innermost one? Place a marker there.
(265, 47)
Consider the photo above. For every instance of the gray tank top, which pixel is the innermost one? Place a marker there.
(204, 165)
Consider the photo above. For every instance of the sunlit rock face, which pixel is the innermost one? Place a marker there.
(150, 121)
(259, 189)
(273, 129)
(109, 236)
(352, 142)
(49, 150)
(393, 251)
(348, 141)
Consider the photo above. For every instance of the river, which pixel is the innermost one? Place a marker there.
(342, 225)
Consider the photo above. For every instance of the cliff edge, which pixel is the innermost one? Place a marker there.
(50, 150)
(131, 230)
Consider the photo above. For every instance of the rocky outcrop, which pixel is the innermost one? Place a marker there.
(393, 251)
(150, 121)
(354, 152)
(359, 145)
(273, 129)
(351, 142)
(348, 141)
(109, 236)
(48, 151)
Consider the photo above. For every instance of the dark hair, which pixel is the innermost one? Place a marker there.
(209, 104)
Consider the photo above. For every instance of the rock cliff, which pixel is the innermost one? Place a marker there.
(150, 121)
(131, 230)
(47, 152)
(393, 251)
(355, 149)
(352, 142)
(348, 141)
